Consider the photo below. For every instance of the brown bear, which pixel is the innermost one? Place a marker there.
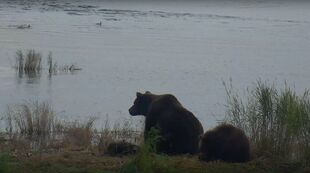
(226, 143)
(121, 148)
(179, 129)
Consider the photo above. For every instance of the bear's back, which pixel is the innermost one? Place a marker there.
(225, 142)
(182, 127)
(165, 101)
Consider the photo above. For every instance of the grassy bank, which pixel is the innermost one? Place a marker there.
(83, 162)
(277, 121)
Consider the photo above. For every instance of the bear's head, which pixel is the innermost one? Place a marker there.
(141, 104)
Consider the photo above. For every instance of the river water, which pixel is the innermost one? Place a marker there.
(185, 48)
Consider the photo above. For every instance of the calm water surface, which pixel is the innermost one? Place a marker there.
(184, 48)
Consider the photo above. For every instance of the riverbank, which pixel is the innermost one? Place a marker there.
(88, 162)
(276, 122)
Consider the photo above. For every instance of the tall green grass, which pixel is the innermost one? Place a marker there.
(146, 161)
(143, 161)
(276, 121)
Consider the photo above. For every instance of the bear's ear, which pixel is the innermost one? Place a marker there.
(138, 94)
(148, 92)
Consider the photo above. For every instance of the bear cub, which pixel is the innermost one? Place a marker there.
(226, 143)
(179, 129)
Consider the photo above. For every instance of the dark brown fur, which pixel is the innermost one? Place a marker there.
(226, 143)
(121, 148)
(179, 129)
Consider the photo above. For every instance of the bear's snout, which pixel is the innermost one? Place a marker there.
(132, 111)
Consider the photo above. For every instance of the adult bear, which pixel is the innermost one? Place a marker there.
(226, 143)
(179, 129)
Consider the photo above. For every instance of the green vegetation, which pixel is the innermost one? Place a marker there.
(146, 161)
(65, 163)
(276, 121)
(190, 164)
(4, 163)
(79, 162)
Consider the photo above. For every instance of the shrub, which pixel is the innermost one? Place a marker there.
(277, 121)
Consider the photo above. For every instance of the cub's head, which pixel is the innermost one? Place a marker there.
(141, 104)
